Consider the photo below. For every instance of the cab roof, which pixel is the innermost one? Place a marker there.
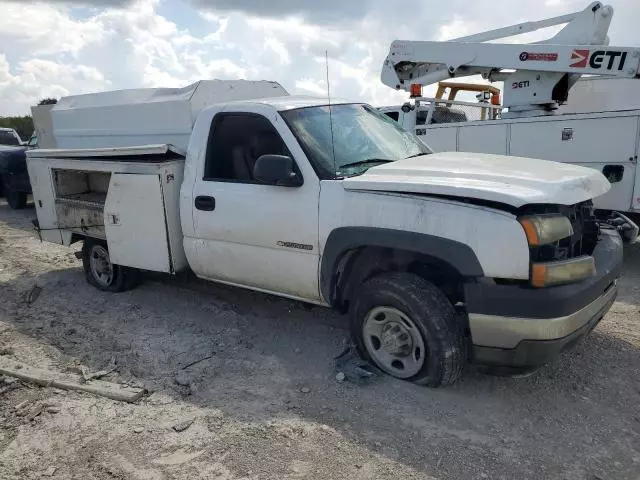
(291, 102)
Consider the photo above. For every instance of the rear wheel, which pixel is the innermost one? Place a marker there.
(101, 273)
(16, 200)
(407, 328)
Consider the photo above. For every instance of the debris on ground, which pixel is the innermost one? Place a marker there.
(50, 472)
(35, 412)
(7, 384)
(22, 404)
(32, 295)
(31, 409)
(200, 360)
(6, 351)
(182, 426)
(48, 378)
(305, 390)
(352, 366)
(86, 375)
(183, 379)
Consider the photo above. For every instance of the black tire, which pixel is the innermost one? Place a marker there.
(120, 279)
(16, 200)
(430, 312)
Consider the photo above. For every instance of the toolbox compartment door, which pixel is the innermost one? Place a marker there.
(135, 222)
(607, 144)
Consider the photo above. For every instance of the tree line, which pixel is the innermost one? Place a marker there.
(24, 124)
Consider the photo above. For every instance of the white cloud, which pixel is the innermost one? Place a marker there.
(455, 29)
(49, 50)
(336, 11)
(279, 48)
(36, 79)
(41, 29)
(312, 86)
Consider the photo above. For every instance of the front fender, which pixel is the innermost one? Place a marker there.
(341, 240)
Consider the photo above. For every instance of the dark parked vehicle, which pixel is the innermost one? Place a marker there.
(8, 136)
(14, 178)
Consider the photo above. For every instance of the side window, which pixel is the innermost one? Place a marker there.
(393, 115)
(8, 138)
(236, 141)
(421, 117)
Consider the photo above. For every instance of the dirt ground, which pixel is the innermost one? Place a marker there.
(266, 404)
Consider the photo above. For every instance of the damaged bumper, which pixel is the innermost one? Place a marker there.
(524, 327)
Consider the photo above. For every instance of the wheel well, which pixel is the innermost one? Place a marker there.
(78, 237)
(360, 264)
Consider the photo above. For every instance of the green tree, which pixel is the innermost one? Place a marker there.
(22, 125)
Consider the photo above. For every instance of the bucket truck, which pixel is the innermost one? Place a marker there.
(533, 120)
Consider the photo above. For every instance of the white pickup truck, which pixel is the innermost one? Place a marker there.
(439, 259)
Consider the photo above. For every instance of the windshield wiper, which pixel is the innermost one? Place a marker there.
(366, 162)
(416, 155)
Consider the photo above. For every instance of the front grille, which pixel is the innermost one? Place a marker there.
(586, 231)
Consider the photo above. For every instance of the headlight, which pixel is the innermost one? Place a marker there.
(566, 271)
(545, 229)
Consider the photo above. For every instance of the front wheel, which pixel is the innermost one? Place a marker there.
(101, 273)
(407, 328)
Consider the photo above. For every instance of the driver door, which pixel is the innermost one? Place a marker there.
(259, 236)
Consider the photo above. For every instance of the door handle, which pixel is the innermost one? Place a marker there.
(208, 204)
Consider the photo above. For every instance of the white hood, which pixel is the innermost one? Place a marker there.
(514, 181)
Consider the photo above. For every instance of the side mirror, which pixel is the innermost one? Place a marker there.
(276, 170)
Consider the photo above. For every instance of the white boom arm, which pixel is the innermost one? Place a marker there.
(537, 76)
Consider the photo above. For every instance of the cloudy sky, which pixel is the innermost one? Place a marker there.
(57, 48)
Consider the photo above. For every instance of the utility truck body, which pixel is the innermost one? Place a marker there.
(438, 258)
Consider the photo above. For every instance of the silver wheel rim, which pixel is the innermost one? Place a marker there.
(101, 267)
(394, 342)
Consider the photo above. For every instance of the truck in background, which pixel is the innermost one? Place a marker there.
(8, 136)
(548, 112)
(14, 178)
(583, 133)
(439, 258)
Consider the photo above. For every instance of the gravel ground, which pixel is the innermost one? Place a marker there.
(265, 403)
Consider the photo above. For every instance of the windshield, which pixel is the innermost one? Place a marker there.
(362, 138)
(7, 137)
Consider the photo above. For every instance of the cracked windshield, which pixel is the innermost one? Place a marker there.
(347, 140)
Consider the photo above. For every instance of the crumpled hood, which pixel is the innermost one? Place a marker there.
(515, 181)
